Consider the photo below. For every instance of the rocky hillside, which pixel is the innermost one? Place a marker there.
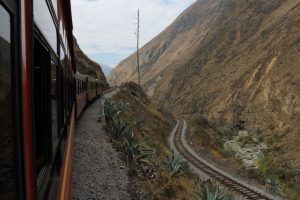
(230, 61)
(86, 66)
(152, 130)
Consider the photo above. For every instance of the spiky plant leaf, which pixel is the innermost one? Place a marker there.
(176, 165)
(211, 191)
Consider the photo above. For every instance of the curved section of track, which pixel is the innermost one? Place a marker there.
(244, 190)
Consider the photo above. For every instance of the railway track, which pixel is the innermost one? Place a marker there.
(242, 189)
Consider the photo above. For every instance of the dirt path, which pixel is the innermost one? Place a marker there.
(98, 171)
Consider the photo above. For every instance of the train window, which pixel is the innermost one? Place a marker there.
(61, 54)
(7, 165)
(67, 91)
(64, 94)
(78, 86)
(76, 82)
(61, 97)
(54, 105)
(42, 113)
(44, 21)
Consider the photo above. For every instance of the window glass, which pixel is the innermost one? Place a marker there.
(7, 165)
(61, 96)
(65, 95)
(42, 110)
(62, 54)
(54, 104)
(44, 21)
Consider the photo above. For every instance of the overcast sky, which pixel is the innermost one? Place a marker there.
(105, 28)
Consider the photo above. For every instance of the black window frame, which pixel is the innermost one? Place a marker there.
(43, 181)
(43, 176)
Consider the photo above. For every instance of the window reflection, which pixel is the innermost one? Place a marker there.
(62, 54)
(7, 164)
(44, 21)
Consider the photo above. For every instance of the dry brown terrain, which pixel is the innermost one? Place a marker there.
(231, 61)
(156, 126)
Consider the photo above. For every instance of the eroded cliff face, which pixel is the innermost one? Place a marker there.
(86, 66)
(229, 60)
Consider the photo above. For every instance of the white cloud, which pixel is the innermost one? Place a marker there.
(108, 26)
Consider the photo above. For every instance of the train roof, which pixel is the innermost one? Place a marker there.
(78, 75)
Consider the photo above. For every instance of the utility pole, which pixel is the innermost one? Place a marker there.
(138, 62)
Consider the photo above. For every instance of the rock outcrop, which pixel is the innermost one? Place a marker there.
(86, 66)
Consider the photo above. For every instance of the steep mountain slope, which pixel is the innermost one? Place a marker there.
(86, 66)
(230, 61)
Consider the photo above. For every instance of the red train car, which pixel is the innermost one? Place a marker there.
(81, 93)
(91, 88)
(37, 99)
(99, 88)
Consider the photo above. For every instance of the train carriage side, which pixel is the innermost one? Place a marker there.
(91, 88)
(37, 101)
(81, 93)
(99, 88)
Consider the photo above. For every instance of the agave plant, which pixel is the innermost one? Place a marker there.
(109, 111)
(176, 165)
(139, 121)
(126, 113)
(136, 152)
(211, 191)
(118, 128)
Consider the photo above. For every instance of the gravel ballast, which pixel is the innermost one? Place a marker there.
(98, 171)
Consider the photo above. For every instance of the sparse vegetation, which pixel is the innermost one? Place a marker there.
(118, 128)
(210, 191)
(144, 147)
(176, 165)
(134, 150)
(109, 111)
(248, 139)
(279, 177)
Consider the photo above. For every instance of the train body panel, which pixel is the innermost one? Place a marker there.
(80, 103)
(91, 88)
(42, 95)
(37, 61)
(81, 93)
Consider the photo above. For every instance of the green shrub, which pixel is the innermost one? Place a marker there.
(211, 191)
(176, 165)
(168, 191)
(109, 111)
(246, 140)
(118, 128)
(135, 151)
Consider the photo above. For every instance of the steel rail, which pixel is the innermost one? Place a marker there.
(227, 181)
